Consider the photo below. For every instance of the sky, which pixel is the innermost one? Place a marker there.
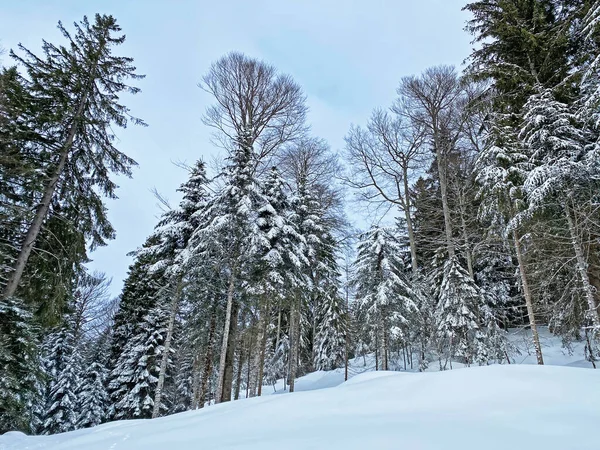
(348, 56)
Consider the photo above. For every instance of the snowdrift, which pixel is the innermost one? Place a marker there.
(495, 407)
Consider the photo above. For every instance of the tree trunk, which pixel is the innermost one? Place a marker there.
(44, 205)
(377, 348)
(263, 344)
(385, 348)
(278, 333)
(196, 381)
(238, 378)
(441, 163)
(295, 343)
(230, 354)
(165, 357)
(409, 226)
(528, 300)
(582, 268)
(468, 255)
(208, 358)
(225, 341)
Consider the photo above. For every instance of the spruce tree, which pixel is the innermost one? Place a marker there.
(385, 298)
(133, 380)
(63, 367)
(19, 366)
(75, 89)
(93, 399)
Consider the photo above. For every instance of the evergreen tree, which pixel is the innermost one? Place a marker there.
(330, 341)
(280, 261)
(93, 399)
(19, 367)
(386, 300)
(75, 90)
(228, 233)
(458, 313)
(63, 366)
(133, 381)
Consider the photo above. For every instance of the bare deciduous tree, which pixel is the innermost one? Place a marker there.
(254, 102)
(435, 101)
(383, 159)
(310, 160)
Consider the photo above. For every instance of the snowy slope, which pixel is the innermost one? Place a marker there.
(495, 407)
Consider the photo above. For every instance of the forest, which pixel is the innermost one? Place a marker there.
(482, 186)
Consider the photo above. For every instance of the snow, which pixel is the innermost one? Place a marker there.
(520, 406)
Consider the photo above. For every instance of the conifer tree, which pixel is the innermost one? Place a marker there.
(564, 171)
(75, 89)
(134, 379)
(385, 298)
(63, 367)
(281, 260)
(93, 398)
(19, 366)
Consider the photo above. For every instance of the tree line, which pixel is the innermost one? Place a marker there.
(257, 275)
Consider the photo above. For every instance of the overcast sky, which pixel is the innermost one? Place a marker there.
(347, 55)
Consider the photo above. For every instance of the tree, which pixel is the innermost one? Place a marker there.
(76, 90)
(523, 44)
(383, 160)
(281, 260)
(172, 236)
(93, 399)
(19, 366)
(63, 366)
(464, 320)
(253, 101)
(134, 379)
(564, 169)
(386, 301)
(332, 329)
(256, 111)
(435, 102)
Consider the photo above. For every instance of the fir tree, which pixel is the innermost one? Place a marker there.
(93, 399)
(63, 366)
(386, 301)
(75, 89)
(133, 381)
(19, 367)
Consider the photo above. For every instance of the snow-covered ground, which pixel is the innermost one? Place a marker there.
(519, 406)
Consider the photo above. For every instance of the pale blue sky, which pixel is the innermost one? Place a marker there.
(347, 55)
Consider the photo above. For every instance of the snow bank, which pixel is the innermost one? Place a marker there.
(496, 407)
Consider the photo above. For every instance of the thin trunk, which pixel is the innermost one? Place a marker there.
(250, 369)
(230, 356)
(44, 205)
(278, 333)
(468, 255)
(294, 350)
(225, 342)
(582, 268)
(385, 348)
(441, 163)
(528, 300)
(208, 358)
(238, 378)
(589, 349)
(263, 345)
(195, 382)
(409, 225)
(165, 357)
(377, 349)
